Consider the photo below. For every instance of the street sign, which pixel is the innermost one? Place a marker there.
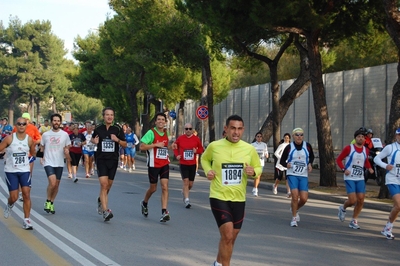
(202, 112)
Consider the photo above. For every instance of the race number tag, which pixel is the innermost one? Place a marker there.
(299, 168)
(129, 145)
(90, 147)
(232, 174)
(188, 155)
(107, 145)
(20, 159)
(357, 171)
(162, 153)
(260, 154)
(77, 143)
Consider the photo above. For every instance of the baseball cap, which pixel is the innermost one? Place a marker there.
(297, 130)
(398, 131)
(26, 116)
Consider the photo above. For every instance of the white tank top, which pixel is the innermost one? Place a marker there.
(17, 155)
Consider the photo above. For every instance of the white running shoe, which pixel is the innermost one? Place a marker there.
(130, 170)
(354, 224)
(133, 167)
(255, 192)
(289, 195)
(7, 210)
(293, 223)
(297, 215)
(341, 213)
(27, 225)
(387, 232)
(187, 204)
(75, 179)
(275, 189)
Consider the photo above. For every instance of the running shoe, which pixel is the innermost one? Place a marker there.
(20, 198)
(133, 167)
(341, 213)
(289, 195)
(187, 204)
(145, 210)
(197, 173)
(75, 179)
(7, 210)
(99, 208)
(107, 215)
(27, 225)
(387, 232)
(130, 170)
(87, 175)
(255, 192)
(275, 189)
(165, 217)
(297, 215)
(69, 175)
(92, 172)
(52, 211)
(354, 224)
(293, 223)
(47, 206)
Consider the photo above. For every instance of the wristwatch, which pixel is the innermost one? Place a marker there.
(343, 170)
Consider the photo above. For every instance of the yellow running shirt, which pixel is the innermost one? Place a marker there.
(228, 160)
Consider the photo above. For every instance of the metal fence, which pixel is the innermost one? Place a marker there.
(355, 98)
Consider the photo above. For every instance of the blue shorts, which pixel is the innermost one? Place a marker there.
(13, 180)
(298, 182)
(90, 153)
(393, 189)
(130, 152)
(57, 171)
(353, 186)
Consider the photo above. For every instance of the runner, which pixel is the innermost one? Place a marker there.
(75, 151)
(228, 163)
(45, 127)
(356, 156)
(155, 143)
(18, 146)
(391, 152)
(298, 158)
(130, 150)
(55, 145)
(88, 151)
(108, 137)
(262, 150)
(122, 164)
(279, 169)
(186, 148)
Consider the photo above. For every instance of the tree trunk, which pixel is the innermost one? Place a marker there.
(210, 98)
(299, 86)
(393, 28)
(180, 119)
(325, 146)
(202, 125)
(37, 102)
(13, 98)
(135, 125)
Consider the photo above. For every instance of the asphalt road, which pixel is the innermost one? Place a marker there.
(77, 235)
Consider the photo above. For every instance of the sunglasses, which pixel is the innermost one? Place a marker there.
(298, 135)
(21, 124)
(188, 128)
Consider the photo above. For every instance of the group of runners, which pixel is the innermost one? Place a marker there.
(227, 163)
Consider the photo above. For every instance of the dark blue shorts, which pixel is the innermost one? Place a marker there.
(13, 180)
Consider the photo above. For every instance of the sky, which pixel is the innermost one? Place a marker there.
(69, 18)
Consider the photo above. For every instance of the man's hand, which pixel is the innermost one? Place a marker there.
(211, 175)
(249, 170)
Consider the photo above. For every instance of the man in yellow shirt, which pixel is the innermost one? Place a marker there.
(227, 163)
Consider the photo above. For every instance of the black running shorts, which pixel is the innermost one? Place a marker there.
(228, 211)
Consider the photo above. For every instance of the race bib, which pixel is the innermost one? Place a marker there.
(261, 154)
(188, 155)
(129, 145)
(357, 171)
(107, 145)
(77, 143)
(232, 174)
(299, 168)
(90, 147)
(162, 153)
(20, 159)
